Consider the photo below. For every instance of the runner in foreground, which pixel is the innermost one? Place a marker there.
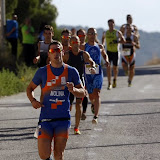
(57, 80)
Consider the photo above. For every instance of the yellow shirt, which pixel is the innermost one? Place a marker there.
(111, 39)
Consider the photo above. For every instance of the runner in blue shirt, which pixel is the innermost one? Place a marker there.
(94, 82)
(57, 80)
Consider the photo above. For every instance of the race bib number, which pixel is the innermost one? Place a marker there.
(88, 69)
(126, 52)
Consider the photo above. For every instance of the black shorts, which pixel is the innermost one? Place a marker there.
(113, 57)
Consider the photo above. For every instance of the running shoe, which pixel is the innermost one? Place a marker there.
(95, 120)
(76, 131)
(129, 83)
(109, 87)
(92, 108)
(83, 117)
(114, 83)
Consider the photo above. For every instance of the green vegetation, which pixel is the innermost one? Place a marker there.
(39, 11)
(12, 83)
(14, 75)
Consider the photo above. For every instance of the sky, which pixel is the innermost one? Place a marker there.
(95, 13)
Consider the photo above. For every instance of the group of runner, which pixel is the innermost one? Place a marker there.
(74, 66)
(128, 36)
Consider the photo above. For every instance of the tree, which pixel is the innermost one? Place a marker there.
(25, 9)
(10, 6)
(46, 13)
(40, 11)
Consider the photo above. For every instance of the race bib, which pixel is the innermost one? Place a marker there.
(126, 52)
(88, 69)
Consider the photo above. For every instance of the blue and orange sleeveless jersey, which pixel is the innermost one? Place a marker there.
(55, 93)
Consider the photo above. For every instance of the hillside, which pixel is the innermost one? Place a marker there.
(150, 44)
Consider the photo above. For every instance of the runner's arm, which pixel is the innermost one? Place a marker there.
(37, 58)
(88, 59)
(136, 31)
(121, 37)
(122, 29)
(31, 87)
(74, 83)
(77, 91)
(136, 42)
(103, 38)
(104, 54)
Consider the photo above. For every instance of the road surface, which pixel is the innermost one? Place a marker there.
(128, 128)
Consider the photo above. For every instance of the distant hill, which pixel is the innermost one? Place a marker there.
(150, 44)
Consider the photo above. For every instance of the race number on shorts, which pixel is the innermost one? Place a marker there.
(126, 52)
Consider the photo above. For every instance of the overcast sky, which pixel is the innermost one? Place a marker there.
(95, 13)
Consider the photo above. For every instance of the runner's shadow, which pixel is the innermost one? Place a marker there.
(14, 129)
(15, 105)
(16, 134)
(21, 119)
(112, 145)
(121, 115)
(132, 101)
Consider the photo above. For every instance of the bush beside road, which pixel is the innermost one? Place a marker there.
(12, 83)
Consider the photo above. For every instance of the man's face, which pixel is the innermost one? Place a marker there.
(91, 34)
(75, 43)
(65, 38)
(82, 36)
(129, 20)
(73, 31)
(48, 34)
(55, 53)
(111, 25)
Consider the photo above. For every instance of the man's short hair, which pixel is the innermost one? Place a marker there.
(111, 20)
(80, 30)
(128, 16)
(66, 31)
(92, 29)
(48, 27)
(55, 42)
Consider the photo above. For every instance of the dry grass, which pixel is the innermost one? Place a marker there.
(154, 61)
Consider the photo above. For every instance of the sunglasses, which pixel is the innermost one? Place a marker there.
(74, 42)
(65, 37)
(81, 36)
(57, 50)
(92, 33)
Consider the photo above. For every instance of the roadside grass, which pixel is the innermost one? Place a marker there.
(155, 61)
(14, 74)
(11, 83)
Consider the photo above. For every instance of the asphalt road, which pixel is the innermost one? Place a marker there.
(128, 128)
